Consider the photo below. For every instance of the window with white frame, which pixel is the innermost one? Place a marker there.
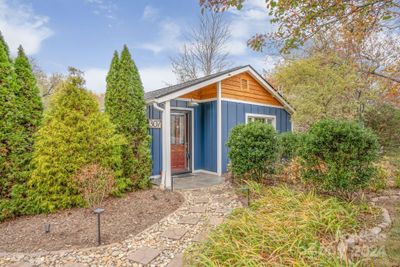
(270, 119)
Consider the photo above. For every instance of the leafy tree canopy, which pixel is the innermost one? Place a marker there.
(299, 21)
(319, 87)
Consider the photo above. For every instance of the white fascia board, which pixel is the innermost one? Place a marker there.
(195, 87)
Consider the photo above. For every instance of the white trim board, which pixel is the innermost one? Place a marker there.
(219, 129)
(250, 103)
(196, 100)
(204, 171)
(257, 115)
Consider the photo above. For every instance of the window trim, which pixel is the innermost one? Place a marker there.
(264, 116)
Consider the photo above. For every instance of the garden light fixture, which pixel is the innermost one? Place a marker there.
(47, 228)
(247, 190)
(98, 211)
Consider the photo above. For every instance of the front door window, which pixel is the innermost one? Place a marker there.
(180, 142)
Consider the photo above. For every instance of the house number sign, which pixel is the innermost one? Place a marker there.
(155, 124)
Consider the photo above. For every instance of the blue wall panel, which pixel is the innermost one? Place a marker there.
(209, 136)
(156, 141)
(234, 113)
(205, 130)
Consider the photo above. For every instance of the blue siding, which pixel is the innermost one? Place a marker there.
(235, 113)
(205, 130)
(156, 136)
(209, 136)
(156, 141)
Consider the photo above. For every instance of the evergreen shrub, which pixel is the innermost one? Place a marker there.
(253, 150)
(338, 156)
(289, 143)
(125, 104)
(74, 134)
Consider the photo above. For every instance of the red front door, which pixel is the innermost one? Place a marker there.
(179, 142)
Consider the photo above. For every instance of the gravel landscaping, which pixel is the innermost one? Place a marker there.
(158, 245)
(76, 228)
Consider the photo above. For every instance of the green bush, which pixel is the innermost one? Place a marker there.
(74, 134)
(379, 181)
(12, 137)
(289, 144)
(338, 156)
(253, 150)
(125, 104)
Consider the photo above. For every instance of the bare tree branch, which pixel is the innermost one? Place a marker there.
(205, 50)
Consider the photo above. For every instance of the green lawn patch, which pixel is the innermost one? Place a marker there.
(282, 228)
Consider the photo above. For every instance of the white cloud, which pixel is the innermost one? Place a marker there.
(104, 8)
(152, 78)
(21, 26)
(251, 19)
(96, 79)
(236, 47)
(168, 37)
(150, 13)
(156, 77)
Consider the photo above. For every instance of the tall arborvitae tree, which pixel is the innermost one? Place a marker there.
(127, 108)
(31, 111)
(7, 50)
(10, 131)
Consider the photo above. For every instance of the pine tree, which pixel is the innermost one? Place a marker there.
(31, 109)
(10, 131)
(7, 50)
(127, 108)
(74, 133)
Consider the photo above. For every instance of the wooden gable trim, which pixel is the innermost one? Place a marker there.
(179, 94)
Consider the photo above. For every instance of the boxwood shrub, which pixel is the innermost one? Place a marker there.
(289, 143)
(253, 150)
(338, 156)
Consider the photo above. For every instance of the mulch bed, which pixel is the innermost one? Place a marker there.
(77, 228)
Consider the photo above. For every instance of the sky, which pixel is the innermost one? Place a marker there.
(85, 33)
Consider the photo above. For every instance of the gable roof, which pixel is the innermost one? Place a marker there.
(173, 91)
(174, 88)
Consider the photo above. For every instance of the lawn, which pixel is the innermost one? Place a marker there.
(283, 227)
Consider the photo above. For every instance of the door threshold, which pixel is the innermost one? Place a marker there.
(182, 174)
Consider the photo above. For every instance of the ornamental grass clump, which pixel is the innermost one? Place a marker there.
(282, 228)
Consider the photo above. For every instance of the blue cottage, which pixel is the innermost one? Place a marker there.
(190, 122)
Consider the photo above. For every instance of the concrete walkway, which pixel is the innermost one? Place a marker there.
(194, 180)
(162, 244)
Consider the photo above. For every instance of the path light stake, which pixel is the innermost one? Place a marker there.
(172, 183)
(47, 228)
(98, 211)
(248, 194)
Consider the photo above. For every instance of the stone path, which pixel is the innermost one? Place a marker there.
(162, 244)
